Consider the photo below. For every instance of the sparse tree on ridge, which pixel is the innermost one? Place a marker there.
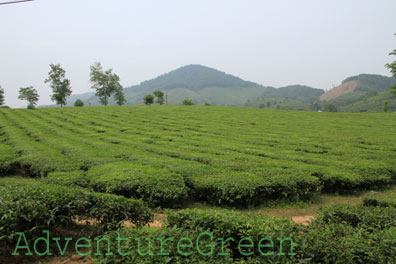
(29, 94)
(392, 68)
(60, 85)
(148, 99)
(105, 83)
(1, 95)
(159, 97)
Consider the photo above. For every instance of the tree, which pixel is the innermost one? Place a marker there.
(78, 103)
(60, 85)
(386, 106)
(330, 107)
(29, 94)
(392, 68)
(148, 99)
(1, 96)
(159, 97)
(105, 83)
(187, 102)
(120, 97)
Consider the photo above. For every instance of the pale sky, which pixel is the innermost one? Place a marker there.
(276, 43)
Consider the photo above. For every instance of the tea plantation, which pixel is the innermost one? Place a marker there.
(112, 164)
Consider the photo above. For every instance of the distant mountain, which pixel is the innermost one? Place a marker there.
(293, 97)
(297, 92)
(362, 93)
(196, 82)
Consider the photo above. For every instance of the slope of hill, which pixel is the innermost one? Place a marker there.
(297, 92)
(362, 93)
(372, 104)
(344, 88)
(199, 83)
(279, 103)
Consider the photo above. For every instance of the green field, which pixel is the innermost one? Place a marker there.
(112, 164)
(224, 156)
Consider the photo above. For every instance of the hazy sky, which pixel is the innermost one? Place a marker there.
(277, 43)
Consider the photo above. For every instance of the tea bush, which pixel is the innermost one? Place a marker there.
(30, 206)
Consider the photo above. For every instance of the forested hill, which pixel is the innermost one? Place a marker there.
(196, 82)
(362, 93)
(194, 78)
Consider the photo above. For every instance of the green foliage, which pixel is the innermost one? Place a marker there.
(170, 247)
(148, 99)
(8, 157)
(386, 106)
(329, 107)
(30, 206)
(235, 157)
(31, 106)
(221, 224)
(371, 92)
(29, 94)
(360, 216)
(78, 103)
(59, 84)
(119, 96)
(392, 68)
(246, 189)
(295, 92)
(376, 200)
(106, 83)
(159, 187)
(340, 235)
(159, 95)
(278, 103)
(195, 78)
(1, 96)
(187, 102)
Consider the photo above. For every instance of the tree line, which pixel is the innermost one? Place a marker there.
(105, 82)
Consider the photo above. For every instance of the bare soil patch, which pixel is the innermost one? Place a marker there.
(303, 219)
(342, 89)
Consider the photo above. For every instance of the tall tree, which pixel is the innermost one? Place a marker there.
(392, 68)
(119, 96)
(60, 85)
(1, 95)
(159, 97)
(105, 83)
(29, 94)
(386, 106)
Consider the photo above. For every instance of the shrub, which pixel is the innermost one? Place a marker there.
(78, 103)
(69, 179)
(31, 106)
(157, 186)
(187, 102)
(170, 247)
(360, 216)
(30, 206)
(8, 158)
(246, 189)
